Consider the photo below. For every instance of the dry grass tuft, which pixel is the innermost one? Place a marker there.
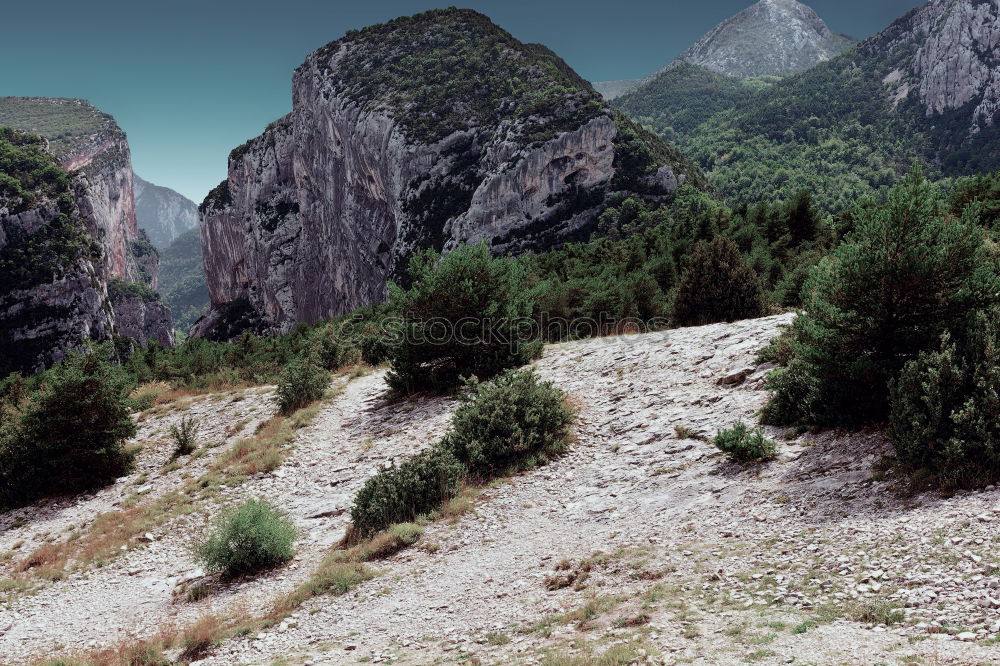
(197, 639)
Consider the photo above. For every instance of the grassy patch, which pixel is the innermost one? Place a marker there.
(877, 611)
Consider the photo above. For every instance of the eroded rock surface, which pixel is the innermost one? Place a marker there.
(666, 545)
(58, 312)
(332, 200)
(954, 67)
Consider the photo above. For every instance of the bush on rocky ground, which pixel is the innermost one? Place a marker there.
(69, 435)
(303, 382)
(250, 538)
(511, 423)
(717, 285)
(514, 422)
(402, 494)
(945, 408)
(743, 445)
(462, 316)
(185, 436)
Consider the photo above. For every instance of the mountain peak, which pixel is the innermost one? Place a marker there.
(771, 37)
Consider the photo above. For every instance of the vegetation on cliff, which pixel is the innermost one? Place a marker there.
(453, 69)
(30, 178)
(64, 123)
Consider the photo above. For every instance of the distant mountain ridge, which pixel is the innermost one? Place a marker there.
(927, 89)
(163, 213)
(769, 38)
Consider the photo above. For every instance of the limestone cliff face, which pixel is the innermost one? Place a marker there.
(142, 320)
(163, 213)
(955, 66)
(106, 196)
(59, 309)
(42, 319)
(325, 207)
(771, 37)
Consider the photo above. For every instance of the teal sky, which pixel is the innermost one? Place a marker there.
(190, 80)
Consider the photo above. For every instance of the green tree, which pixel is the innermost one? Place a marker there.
(717, 285)
(906, 274)
(945, 416)
(70, 435)
(511, 423)
(462, 316)
(303, 382)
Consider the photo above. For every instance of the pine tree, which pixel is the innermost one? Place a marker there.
(717, 285)
(464, 316)
(906, 274)
(71, 434)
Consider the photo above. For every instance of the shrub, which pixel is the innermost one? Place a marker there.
(796, 396)
(717, 285)
(336, 348)
(184, 435)
(250, 538)
(303, 382)
(877, 611)
(70, 435)
(907, 273)
(402, 494)
(743, 445)
(461, 317)
(945, 409)
(508, 424)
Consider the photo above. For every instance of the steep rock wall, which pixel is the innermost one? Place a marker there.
(955, 66)
(325, 207)
(62, 309)
(46, 314)
(143, 321)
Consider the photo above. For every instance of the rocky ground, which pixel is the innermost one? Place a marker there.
(641, 545)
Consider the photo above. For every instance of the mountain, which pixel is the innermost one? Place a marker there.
(925, 89)
(770, 38)
(73, 262)
(182, 279)
(680, 99)
(162, 213)
(425, 132)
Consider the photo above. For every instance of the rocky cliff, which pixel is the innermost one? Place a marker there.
(59, 306)
(52, 292)
(428, 131)
(140, 314)
(925, 89)
(951, 63)
(772, 37)
(163, 213)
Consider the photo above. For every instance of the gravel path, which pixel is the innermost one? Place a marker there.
(701, 561)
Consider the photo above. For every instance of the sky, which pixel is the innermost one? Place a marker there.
(190, 80)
